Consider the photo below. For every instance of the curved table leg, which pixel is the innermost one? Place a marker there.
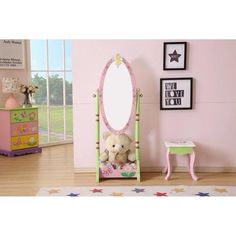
(168, 165)
(188, 162)
(164, 171)
(192, 161)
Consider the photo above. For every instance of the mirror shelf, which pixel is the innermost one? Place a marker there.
(117, 94)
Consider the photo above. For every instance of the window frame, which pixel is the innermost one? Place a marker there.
(47, 72)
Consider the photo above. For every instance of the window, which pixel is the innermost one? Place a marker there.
(51, 70)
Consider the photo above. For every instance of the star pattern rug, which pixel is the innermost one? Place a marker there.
(139, 191)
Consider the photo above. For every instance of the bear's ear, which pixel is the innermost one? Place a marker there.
(106, 135)
(130, 138)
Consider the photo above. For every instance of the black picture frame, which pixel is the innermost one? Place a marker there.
(165, 52)
(178, 100)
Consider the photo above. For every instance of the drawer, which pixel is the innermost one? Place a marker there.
(24, 128)
(24, 115)
(25, 141)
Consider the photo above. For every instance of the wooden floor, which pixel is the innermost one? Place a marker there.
(25, 175)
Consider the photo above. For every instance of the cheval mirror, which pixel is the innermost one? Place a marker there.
(118, 102)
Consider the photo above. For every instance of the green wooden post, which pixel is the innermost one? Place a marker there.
(97, 136)
(137, 133)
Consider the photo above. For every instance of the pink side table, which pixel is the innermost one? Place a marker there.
(180, 148)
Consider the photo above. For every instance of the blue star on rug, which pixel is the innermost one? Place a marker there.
(201, 194)
(138, 190)
(73, 195)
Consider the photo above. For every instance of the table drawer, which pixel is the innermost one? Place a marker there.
(24, 128)
(24, 115)
(25, 141)
(181, 150)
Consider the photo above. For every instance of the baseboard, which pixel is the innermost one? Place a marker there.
(84, 170)
(160, 169)
(56, 143)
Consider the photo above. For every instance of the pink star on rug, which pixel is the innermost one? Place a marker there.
(159, 194)
(95, 190)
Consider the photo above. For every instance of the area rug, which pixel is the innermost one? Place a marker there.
(139, 191)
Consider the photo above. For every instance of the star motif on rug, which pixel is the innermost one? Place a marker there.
(174, 56)
(116, 194)
(201, 194)
(159, 194)
(138, 190)
(221, 190)
(178, 190)
(95, 190)
(53, 190)
(73, 195)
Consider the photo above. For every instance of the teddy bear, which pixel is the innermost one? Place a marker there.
(117, 150)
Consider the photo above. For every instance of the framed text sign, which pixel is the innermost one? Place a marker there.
(12, 54)
(176, 93)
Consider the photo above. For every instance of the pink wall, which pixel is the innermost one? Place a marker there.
(211, 124)
(22, 74)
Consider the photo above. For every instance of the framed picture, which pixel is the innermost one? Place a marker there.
(174, 56)
(12, 54)
(176, 93)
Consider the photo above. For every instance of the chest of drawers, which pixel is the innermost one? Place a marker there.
(19, 131)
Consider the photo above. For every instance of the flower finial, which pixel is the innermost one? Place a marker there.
(118, 60)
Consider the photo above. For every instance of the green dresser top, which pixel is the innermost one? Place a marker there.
(18, 108)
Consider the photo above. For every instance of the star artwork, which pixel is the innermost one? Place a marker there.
(95, 190)
(138, 190)
(174, 56)
(159, 194)
(73, 195)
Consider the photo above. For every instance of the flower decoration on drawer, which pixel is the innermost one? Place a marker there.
(32, 116)
(32, 141)
(18, 142)
(20, 116)
(22, 128)
(34, 129)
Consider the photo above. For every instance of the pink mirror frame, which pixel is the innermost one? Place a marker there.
(132, 77)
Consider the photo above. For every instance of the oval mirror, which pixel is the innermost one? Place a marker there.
(118, 91)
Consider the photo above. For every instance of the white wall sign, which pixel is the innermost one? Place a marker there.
(11, 54)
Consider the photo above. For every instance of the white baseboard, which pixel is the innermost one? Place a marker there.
(160, 169)
(56, 143)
